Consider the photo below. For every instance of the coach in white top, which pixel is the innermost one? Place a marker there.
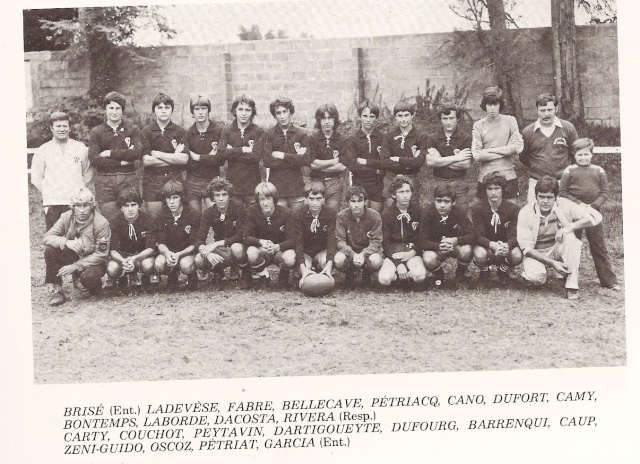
(59, 168)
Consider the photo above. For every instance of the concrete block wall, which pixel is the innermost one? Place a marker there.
(316, 71)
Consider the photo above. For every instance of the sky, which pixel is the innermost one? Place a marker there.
(220, 22)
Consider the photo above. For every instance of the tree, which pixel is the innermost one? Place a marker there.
(37, 39)
(252, 33)
(105, 37)
(281, 34)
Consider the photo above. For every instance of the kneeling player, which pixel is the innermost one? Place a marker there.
(316, 232)
(358, 237)
(445, 232)
(400, 234)
(133, 242)
(495, 223)
(270, 236)
(177, 227)
(226, 219)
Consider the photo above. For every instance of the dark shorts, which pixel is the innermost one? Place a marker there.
(152, 184)
(509, 192)
(196, 187)
(109, 186)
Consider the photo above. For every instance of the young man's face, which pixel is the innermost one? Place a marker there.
(545, 201)
(283, 116)
(443, 205)
(315, 202)
(244, 113)
(163, 112)
(494, 193)
(114, 112)
(583, 157)
(368, 119)
(174, 203)
(60, 130)
(267, 204)
(449, 121)
(356, 205)
(493, 109)
(404, 119)
(221, 199)
(403, 196)
(547, 114)
(130, 210)
(82, 211)
(327, 123)
(201, 113)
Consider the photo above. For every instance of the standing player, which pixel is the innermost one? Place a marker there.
(316, 232)
(363, 149)
(285, 153)
(400, 236)
(60, 167)
(177, 227)
(445, 232)
(326, 146)
(241, 144)
(114, 146)
(204, 157)
(496, 141)
(165, 152)
(226, 219)
(547, 143)
(133, 243)
(403, 150)
(77, 245)
(270, 236)
(495, 222)
(449, 154)
(358, 237)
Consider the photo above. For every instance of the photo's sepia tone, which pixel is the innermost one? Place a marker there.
(222, 330)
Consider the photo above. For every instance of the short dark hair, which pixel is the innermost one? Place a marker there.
(444, 190)
(58, 116)
(579, 144)
(494, 178)
(129, 195)
(281, 101)
(492, 96)
(219, 184)
(356, 191)
(446, 109)
(114, 97)
(164, 99)
(547, 184)
(246, 100)
(331, 110)
(315, 187)
(173, 187)
(266, 189)
(545, 98)
(375, 109)
(199, 100)
(398, 182)
(404, 105)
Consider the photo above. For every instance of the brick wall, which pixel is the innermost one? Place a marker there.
(314, 71)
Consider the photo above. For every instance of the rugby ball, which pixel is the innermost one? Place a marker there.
(317, 284)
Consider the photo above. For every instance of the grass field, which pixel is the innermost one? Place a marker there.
(215, 333)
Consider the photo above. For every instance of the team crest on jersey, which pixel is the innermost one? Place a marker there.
(455, 226)
(560, 141)
(251, 142)
(379, 149)
(410, 246)
(282, 228)
(214, 145)
(324, 229)
(76, 159)
(187, 228)
(336, 153)
(415, 151)
(233, 223)
(296, 146)
(414, 225)
(506, 224)
(143, 234)
(368, 234)
(102, 245)
(127, 140)
(174, 142)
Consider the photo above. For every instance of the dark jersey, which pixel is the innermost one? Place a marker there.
(243, 168)
(411, 150)
(400, 229)
(133, 237)
(228, 226)
(125, 143)
(202, 143)
(500, 225)
(447, 147)
(315, 234)
(181, 233)
(434, 227)
(154, 138)
(280, 227)
(286, 174)
(323, 148)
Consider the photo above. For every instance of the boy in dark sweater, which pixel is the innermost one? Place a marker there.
(495, 222)
(445, 232)
(586, 183)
